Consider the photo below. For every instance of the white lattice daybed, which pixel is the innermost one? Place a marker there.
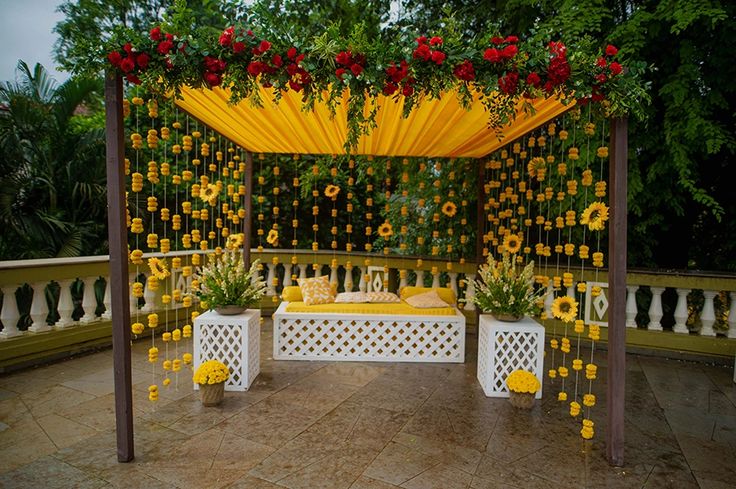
(368, 332)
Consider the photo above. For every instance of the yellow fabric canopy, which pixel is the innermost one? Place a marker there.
(437, 128)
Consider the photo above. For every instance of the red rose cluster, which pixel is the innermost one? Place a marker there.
(558, 70)
(429, 52)
(298, 76)
(213, 69)
(605, 70)
(505, 49)
(132, 62)
(398, 74)
(229, 39)
(349, 62)
(464, 71)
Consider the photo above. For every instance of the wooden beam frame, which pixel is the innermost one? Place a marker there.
(616, 385)
(118, 243)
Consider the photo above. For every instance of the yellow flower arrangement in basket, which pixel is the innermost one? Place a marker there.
(211, 372)
(522, 385)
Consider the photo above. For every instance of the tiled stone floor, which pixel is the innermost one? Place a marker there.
(362, 426)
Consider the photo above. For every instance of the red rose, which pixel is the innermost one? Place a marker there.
(533, 79)
(558, 70)
(436, 41)
(600, 78)
(511, 39)
(133, 79)
(277, 61)
(169, 37)
(249, 32)
(128, 47)
(616, 68)
(156, 33)
(340, 72)
(169, 64)
(408, 90)
(238, 47)
(164, 47)
(142, 60)
(421, 40)
(509, 51)
(493, 55)
(356, 69)
(292, 68)
(255, 68)
(601, 62)
(438, 57)
(264, 46)
(509, 83)
(227, 36)
(127, 65)
(115, 58)
(214, 79)
(389, 89)
(423, 52)
(548, 87)
(497, 40)
(291, 53)
(299, 58)
(611, 50)
(344, 58)
(557, 48)
(465, 71)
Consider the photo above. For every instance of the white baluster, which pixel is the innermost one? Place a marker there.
(287, 274)
(655, 309)
(549, 299)
(270, 275)
(363, 284)
(348, 282)
(631, 309)
(436, 280)
(66, 304)
(453, 282)
(9, 314)
(317, 271)
(469, 291)
(402, 278)
(681, 312)
(333, 276)
(420, 278)
(303, 271)
(134, 299)
(732, 319)
(149, 296)
(39, 309)
(89, 301)
(708, 315)
(107, 301)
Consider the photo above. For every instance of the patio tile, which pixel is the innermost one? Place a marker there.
(397, 464)
(64, 432)
(334, 472)
(316, 395)
(250, 482)
(52, 399)
(50, 473)
(492, 473)
(440, 476)
(364, 482)
(462, 457)
(97, 413)
(348, 373)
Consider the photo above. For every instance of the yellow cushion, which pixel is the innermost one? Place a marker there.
(383, 297)
(292, 293)
(445, 294)
(426, 300)
(400, 308)
(316, 290)
(351, 297)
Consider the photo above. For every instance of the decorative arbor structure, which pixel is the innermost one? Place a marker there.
(450, 118)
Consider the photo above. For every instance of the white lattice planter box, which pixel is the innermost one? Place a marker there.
(233, 340)
(504, 347)
(368, 337)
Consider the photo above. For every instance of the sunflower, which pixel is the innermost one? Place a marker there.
(449, 209)
(158, 268)
(209, 194)
(512, 243)
(385, 230)
(273, 237)
(595, 216)
(331, 191)
(565, 308)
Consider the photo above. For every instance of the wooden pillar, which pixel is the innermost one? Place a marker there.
(616, 397)
(248, 231)
(117, 234)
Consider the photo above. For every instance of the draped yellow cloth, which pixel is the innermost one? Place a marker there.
(437, 128)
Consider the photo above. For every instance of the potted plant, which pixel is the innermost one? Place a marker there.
(505, 289)
(522, 385)
(211, 376)
(227, 287)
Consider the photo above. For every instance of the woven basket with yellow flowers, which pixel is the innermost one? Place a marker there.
(523, 385)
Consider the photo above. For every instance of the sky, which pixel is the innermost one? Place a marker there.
(26, 33)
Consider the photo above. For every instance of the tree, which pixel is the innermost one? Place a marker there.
(52, 170)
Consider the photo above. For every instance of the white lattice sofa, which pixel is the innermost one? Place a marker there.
(366, 333)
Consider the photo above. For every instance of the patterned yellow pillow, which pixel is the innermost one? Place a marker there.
(426, 300)
(316, 290)
(382, 297)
